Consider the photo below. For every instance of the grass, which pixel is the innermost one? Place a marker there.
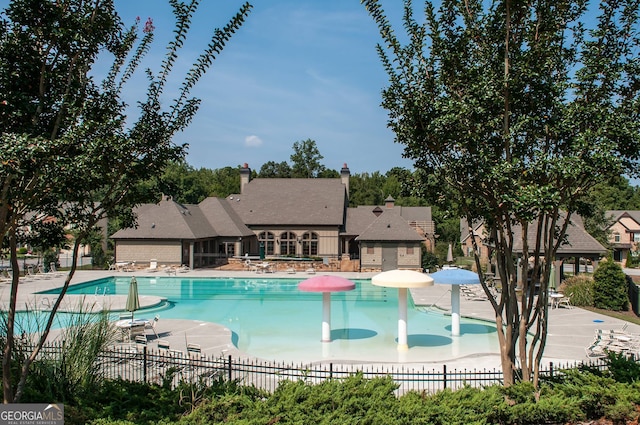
(628, 316)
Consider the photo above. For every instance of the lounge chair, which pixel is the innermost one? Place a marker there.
(54, 270)
(184, 269)
(152, 325)
(291, 270)
(311, 270)
(194, 348)
(141, 341)
(153, 266)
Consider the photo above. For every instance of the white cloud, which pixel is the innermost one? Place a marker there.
(252, 141)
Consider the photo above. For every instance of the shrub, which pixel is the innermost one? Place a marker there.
(50, 256)
(623, 368)
(610, 287)
(580, 289)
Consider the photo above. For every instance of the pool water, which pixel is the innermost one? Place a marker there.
(273, 320)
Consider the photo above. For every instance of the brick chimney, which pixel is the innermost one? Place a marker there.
(245, 176)
(344, 175)
(389, 203)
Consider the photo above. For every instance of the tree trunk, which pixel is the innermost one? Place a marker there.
(7, 390)
(24, 372)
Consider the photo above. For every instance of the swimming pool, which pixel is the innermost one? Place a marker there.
(273, 320)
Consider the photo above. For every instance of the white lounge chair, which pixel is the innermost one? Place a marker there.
(152, 325)
(153, 266)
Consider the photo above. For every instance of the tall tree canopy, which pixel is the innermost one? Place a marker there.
(306, 159)
(515, 109)
(67, 149)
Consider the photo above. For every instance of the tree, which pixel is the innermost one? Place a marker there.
(366, 189)
(271, 169)
(226, 181)
(610, 287)
(67, 149)
(515, 109)
(306, 160)
(186, 184)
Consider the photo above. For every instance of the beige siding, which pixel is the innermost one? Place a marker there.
(618, 228)
(371, 259)
(166, 252)
(629, 223)
(406, 260)
(328, 239)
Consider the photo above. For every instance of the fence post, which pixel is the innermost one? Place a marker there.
(551, 369)
(144, 364)
(229, 368)
(330, 371)
(444, 375)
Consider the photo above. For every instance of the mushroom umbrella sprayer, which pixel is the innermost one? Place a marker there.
(326, 284)
(455, 277)
(403, 280)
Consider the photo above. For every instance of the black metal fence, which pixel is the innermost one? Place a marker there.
(144, 364)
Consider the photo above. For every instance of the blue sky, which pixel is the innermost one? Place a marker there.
(296, 70)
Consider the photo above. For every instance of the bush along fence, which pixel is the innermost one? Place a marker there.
(144, 364)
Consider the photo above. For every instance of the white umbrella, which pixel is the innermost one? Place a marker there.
(450, 254)
(402, 279)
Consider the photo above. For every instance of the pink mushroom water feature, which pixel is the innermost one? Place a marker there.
(326, 284)
(403, 280)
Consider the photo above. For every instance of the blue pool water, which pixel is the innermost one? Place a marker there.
(273, 320)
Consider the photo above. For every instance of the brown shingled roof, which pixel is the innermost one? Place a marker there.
(223, 218)
(168, 220)
(390, 226)
(361, 217)
(291, 202)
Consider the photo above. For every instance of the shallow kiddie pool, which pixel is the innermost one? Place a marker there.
(273, 320)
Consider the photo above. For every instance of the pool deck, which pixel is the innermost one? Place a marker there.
(570, 330)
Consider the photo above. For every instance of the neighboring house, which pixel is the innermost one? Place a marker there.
(579, 243)
(296, 218)
(624, 234)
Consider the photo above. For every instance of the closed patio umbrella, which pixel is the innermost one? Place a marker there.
(552, 278)
(133, 301)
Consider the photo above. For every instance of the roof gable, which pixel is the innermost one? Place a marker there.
(223, 218)
(389, 226)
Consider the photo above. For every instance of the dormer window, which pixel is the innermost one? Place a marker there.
(616, 237)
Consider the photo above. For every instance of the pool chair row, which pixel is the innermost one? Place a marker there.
(613, 340)
(476, 292)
